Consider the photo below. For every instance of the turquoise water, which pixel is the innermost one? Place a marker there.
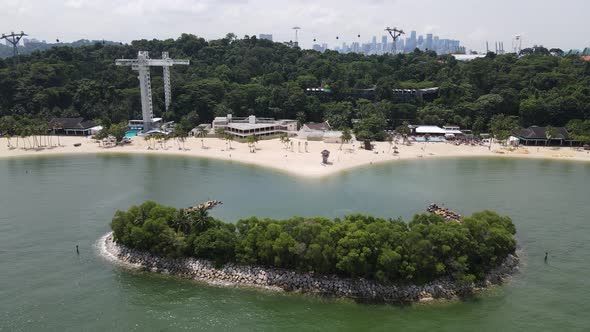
(131, 133)
(431, 139)
(48, 205)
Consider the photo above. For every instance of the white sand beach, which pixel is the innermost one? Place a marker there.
(274, 154)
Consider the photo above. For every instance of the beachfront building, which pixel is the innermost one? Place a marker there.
(427, 130)
(538, 136)
(452, 132)
(262, 127)
(313, 131)
(138, 124)
(72, 126)
(332, 136)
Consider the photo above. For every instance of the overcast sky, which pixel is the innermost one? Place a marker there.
(552, 23)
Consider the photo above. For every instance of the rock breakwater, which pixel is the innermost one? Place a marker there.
(361, 290)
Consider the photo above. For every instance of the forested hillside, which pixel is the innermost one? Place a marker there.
(251, 76)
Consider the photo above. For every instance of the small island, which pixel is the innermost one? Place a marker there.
(360, 257)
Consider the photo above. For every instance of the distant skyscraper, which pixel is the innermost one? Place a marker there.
(429, 41)
(413, 42)
(265, 36)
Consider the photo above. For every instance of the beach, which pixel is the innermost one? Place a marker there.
(299, 160)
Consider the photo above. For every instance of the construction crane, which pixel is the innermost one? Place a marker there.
(395, 33)
(142, 65)
(14, 39)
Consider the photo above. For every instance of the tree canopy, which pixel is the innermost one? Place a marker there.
(253, 76)
(388, 250)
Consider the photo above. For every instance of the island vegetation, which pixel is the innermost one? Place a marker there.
(358, 246)
(245, 76)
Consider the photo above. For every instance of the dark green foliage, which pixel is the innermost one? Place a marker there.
(252, 76)
(388, 250)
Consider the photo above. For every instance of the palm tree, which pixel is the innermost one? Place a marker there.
(404, 131)
(345, 137)
(7, 127)
(389, 139)
(285, 140)
(202, 132)
(251, 140)
(229, 138)
(148, 139)
(199, 219)
(182, 222)
(550, 133)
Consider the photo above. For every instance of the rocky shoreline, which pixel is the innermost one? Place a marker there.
(308, 283)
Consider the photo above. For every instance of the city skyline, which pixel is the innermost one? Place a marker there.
(406, 43)
(472, 22)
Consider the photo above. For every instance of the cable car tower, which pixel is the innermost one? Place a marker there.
(395, 33)
(14, 39)
(142, 65)
(296, 35)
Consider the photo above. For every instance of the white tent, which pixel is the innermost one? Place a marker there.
(95, 130)
(430, 130)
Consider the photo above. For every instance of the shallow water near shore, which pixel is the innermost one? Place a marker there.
(50, 204)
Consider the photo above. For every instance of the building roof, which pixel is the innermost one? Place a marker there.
(429, 130)
(71, 123)
(535, 132)
(324, 126)
(249, 126)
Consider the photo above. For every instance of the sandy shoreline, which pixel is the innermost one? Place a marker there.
(274, 154)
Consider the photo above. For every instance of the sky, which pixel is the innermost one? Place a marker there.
(560, 24)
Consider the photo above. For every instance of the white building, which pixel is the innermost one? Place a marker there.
(313, 131)
(138, 124)
(452, 131)
(429, 130)
(244, 127)
(332, 137)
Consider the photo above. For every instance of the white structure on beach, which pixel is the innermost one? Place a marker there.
(332, 137)
(313, 131)
(244, 127)
(429, 130)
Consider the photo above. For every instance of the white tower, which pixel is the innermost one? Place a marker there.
(142, 65)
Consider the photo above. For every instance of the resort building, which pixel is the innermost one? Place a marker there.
(244, 127)
(538, 136)
(313, 131)
(427, 130)
(427, 94)
(72, 126)
(452, 132)
(138, 124)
